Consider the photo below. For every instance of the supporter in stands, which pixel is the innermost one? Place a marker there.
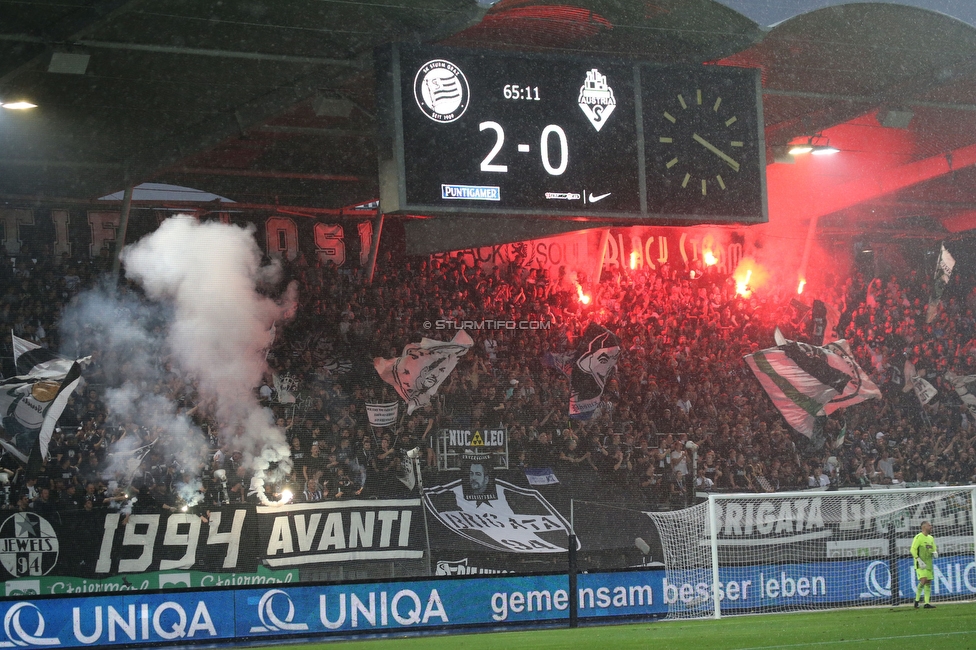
(313, 493)
(682, 372)
(69, 501)
(44, 505)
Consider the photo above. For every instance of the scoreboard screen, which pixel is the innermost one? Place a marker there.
(475, 132)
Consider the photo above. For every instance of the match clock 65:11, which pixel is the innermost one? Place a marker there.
(471, 132)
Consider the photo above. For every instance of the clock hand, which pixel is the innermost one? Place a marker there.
(708, 145)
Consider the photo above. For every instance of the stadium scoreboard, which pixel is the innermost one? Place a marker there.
(468, 132)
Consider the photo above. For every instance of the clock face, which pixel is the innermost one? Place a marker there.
(704, 145)
(699, 121)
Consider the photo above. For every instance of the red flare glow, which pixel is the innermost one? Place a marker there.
(802, 284)
(709, 258)
(633, 260)
(742, 286)
(583, 298)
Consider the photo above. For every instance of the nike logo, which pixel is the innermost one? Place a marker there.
(594, 199)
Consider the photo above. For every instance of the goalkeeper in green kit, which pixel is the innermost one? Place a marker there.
(924, 552)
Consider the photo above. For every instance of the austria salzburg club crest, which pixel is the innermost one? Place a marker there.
(596, 98)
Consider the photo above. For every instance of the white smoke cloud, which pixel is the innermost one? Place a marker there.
(210, 321)
(126, 333)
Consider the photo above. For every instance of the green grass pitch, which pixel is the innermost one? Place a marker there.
(948, 627)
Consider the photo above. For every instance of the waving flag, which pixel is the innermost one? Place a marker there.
(285, 387)
(595, 359)
(924, 391)
(964, 385)
(806, 382)
(32, 402)
(943, 271)
(561, 361)
(31, 359)
(422, 368)
(818, 323)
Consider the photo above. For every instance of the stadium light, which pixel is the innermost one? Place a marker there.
(817, 145)
(18, 106)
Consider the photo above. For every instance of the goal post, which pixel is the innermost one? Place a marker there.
(808, 550)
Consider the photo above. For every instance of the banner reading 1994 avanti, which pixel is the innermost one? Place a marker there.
(83, 552)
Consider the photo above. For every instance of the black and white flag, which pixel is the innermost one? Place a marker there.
(807, 382)
(964, 385)
(36, 361)
(422, 368)
(924, 391)
(595, 359)
(943, 271)
(32, 402)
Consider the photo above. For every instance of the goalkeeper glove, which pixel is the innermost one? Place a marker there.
(921, 564)
(935, 554)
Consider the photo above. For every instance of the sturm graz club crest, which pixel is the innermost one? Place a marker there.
(28, 545)
(441, 90)
(596, 98)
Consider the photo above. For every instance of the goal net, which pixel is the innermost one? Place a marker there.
(813, 550)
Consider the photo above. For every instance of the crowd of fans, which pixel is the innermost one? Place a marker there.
(682, 413)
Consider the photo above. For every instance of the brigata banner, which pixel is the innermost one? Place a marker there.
(817, 527)
(510, 519)
(83, 552)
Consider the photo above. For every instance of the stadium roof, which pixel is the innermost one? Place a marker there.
(270, 103)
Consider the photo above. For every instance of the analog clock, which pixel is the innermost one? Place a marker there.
(704, 142)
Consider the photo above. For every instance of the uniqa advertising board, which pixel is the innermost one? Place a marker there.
(282, 610)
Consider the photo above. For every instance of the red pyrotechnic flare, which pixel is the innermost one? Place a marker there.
(802, 284)
(749, 276)
(583, 298)
(742, 286)
(633, 260)
(710, 259)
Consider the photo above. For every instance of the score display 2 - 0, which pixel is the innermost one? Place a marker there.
(574, 137)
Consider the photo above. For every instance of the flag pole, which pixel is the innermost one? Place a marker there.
(123, 228)
(601, 256)
(423, 509)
